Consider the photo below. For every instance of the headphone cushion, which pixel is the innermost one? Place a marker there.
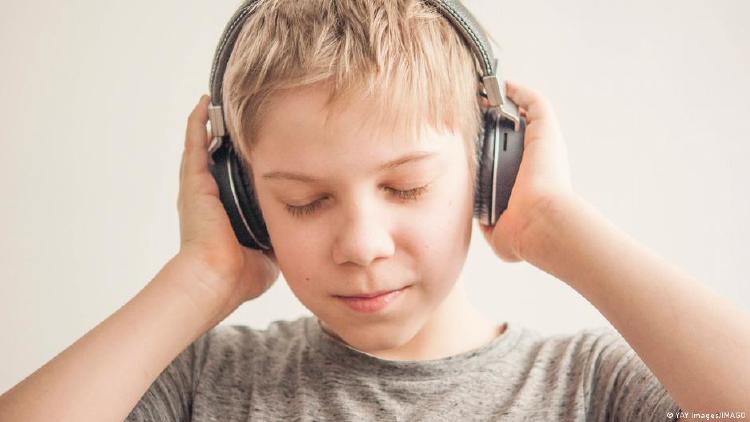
(485, 163)
(238, 197)
(249, 200)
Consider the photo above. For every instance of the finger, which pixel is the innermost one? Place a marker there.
(195, 154)
(182, 160)
(179, 192)
(536, 106)
(182, 165)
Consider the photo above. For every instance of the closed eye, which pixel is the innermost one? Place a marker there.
(407, 195)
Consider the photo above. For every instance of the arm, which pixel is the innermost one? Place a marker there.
(103, 374)
(694, 341)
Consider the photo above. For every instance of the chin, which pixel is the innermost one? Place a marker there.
(378, 337)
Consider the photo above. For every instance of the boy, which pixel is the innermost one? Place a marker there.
(344, 224)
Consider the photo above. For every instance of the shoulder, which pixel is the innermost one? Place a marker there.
(214, 374)
(237, 336)
(574, 360)
(612, 379)
(233, 345)
(572, 349)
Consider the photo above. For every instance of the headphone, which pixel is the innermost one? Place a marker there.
(499, 144)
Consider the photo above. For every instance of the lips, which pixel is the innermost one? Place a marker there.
(378, 302)
(369, 295)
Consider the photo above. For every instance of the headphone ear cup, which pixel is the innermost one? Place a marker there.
(509, 144)
(500, 151)
(238, 197)
(483, 178)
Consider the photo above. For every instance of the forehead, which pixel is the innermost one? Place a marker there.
(298, 126)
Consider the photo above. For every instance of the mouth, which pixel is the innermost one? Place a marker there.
(370, 295)
(373, 302)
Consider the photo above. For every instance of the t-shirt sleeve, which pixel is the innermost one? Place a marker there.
(170, 396)
(621, 386)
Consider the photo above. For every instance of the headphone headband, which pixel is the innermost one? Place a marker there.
(499, 142)
(453, 10)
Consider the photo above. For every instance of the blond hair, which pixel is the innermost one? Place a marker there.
(403, 56)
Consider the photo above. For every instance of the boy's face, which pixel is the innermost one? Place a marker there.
(362, 237)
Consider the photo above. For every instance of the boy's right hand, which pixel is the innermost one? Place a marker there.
(226, 269)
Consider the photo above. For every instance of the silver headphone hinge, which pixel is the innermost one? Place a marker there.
(216, 116)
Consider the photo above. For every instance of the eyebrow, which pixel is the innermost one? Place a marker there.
(287, 175)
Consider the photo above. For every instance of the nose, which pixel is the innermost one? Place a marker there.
(363, 235)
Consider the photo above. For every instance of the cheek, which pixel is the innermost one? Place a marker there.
(294, 243)
(303, 279)
(440, 239)
(299, 264)
(298, 253)
(444, 228)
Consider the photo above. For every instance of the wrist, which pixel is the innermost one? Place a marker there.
(207, 292)
(546, 216)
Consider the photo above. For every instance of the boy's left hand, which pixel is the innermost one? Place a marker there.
(543, 176)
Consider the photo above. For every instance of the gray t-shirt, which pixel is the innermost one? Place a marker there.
(295, 371)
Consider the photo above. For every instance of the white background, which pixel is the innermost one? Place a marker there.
(652, 98)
